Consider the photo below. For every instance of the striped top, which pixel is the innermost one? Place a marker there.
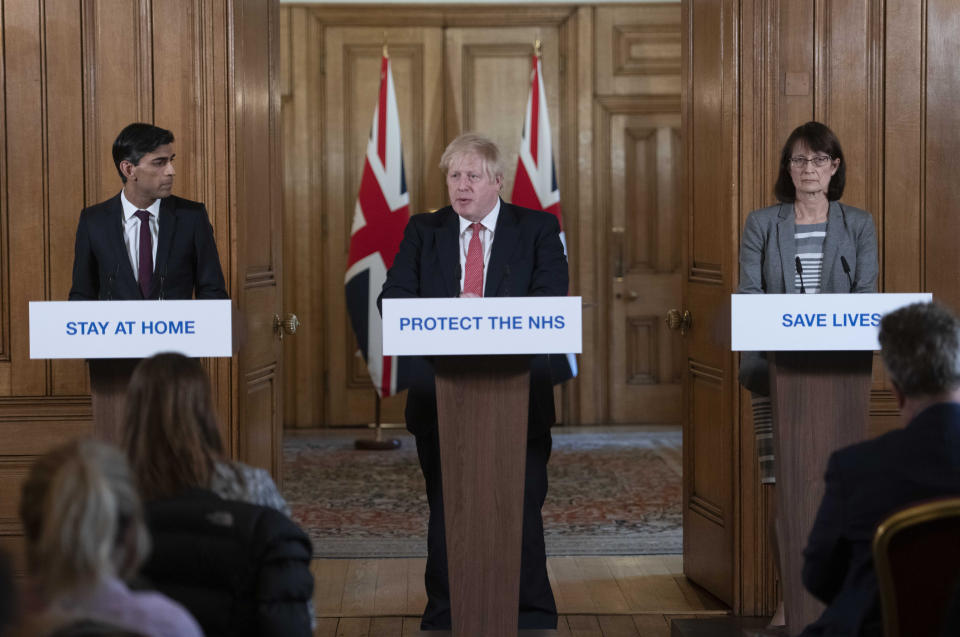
(809, 239)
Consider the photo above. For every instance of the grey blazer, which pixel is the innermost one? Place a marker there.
(767, 264)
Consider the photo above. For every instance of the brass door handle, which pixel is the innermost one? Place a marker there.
(288, 325)
(677, 321)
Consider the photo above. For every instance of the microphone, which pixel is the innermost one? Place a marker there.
(110, 277)
(846, 269)
(163, 278)
(800, 274)
(459, 276)
(506, 280)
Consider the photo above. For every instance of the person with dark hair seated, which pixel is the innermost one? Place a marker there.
(866, 482)
(86, 539)
(224, 545)
(173, 441)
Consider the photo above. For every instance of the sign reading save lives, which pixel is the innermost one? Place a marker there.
(489, 325)
(824, 322)
(129, 329)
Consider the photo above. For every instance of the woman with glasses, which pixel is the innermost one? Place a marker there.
(808, 243)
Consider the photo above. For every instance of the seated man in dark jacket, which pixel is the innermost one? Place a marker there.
(239, 568)
(866, 482)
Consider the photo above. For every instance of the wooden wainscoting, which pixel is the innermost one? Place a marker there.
(73, 75)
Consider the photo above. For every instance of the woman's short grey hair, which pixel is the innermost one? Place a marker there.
(920, 347)
(472, 143)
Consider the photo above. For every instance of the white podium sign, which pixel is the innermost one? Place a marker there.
(488, 325)
(129, 329)
(812, 322)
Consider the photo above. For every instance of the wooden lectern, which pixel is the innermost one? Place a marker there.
(109, 378)
(820, 403)
(482, 406)
(113, 336)
(481, 349)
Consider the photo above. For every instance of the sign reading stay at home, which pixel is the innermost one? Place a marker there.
(129, 329)
(832, 322)
(490, 325)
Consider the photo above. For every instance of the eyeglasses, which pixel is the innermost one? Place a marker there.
(819, 161)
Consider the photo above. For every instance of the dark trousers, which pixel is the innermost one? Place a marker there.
(537, 607)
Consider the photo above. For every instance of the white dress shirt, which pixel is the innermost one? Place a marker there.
(131, 230)
(486, 240)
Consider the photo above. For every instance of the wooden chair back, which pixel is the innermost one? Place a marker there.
(916, 553)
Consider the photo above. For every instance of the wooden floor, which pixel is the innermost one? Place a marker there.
(596, 596)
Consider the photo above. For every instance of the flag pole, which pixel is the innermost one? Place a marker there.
(378, 443)
(366, 244)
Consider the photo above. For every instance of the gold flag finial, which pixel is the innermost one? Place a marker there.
(385, 43)
(537, 47)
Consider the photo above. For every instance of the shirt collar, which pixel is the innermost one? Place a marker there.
(489, 222)
(129, 209)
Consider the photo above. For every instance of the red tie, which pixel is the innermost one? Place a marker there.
(145, 266)
(473, 276)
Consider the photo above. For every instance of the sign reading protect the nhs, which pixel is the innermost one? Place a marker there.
(824, 322)
(129, 329)
(489, 325)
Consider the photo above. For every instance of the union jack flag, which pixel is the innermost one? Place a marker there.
(381, 213)
(535, 184)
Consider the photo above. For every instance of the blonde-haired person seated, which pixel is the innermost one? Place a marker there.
(85, 534)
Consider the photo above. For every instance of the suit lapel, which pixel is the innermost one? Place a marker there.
(831, 246)
(448, 250)
(505, 240)
(787, 242)
(113, 231)
(168, 223)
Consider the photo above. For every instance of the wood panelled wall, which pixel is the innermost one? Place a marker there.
(73, 73)
(612, 77)
(885, 76)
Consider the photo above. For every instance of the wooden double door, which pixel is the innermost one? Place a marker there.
(612, 79)
(640, 241)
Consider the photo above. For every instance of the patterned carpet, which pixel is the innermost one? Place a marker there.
(611, 493)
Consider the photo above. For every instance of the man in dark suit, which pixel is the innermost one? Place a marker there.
(145, 243)
(866, 482)
(481, 246)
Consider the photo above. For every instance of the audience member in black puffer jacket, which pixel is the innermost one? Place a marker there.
(238, 562)
(239, 568)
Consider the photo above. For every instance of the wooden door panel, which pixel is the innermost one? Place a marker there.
(352, 55)
(259, 242)
(64, 182)
(488, 82)
(261, 396)
(638, 49)
(642, 167)
(710, 434)
(707, 504)
(941, 188)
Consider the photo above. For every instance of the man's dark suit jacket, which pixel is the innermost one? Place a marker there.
(526, 259)
(865, 483)
(187, 259)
